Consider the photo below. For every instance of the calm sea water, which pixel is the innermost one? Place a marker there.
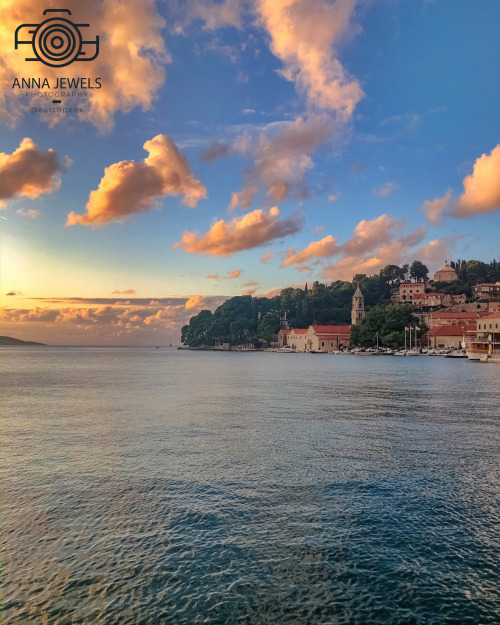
(155, 486)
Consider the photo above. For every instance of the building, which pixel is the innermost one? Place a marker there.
(445, 318)
(435, 300)
(487, 290)
(282, 338)
(297, 339)
(358, 307)
(327, 338)
(319, 338)
(445, 274)
(449, 336)
(484, 345)
(408, 290)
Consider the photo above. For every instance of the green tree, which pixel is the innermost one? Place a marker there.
(419, 271)
(389, 321)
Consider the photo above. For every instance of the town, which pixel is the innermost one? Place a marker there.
(406, 314)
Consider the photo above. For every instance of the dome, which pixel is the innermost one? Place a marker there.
(445, 274)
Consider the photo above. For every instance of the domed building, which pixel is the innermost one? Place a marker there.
(445, 274)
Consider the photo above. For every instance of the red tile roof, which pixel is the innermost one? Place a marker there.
(451, 330)
(495, 315)
(344, 329)
(284, 332)
(456, 315)
(300, 330)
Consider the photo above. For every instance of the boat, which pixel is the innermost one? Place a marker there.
(484, 350)
(413, 352)
(456, 354)
(317, 351)
(286, 349)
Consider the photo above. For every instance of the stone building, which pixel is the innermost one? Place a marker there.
(358, 308)
(445, 274)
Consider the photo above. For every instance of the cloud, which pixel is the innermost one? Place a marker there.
(281, 161)
(319, 229)
(12, 293)
(333, 198)
(385, 190)
(108, 322)
(303, 36)
(129, 187)
(251, 283)
(436, 208)
(126, 292)
(213, 276)
(32, 213)
(435, 251)
(371, 248)
(328, 246)
(482, 188)
(225, 238)
(370, 233)
(130, 63)
(232, 275)
(214, 14)
(29, 172)
(266, 257)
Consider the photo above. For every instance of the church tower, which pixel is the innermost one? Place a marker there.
(358, 307)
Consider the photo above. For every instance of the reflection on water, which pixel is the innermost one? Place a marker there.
(151, 486)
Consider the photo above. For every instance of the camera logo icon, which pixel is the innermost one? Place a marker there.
(57, 41)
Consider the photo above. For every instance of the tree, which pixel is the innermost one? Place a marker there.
(269, 326)
(389, 321)
(419, 271)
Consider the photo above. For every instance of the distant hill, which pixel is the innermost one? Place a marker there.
(8, 340)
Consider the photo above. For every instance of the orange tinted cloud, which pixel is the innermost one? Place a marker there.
(129, 187)
(482, 188)
(232, 275)
(434, 209)
(266, 257)
(126, 292)
(29, 171)
(369, 254)
(324, 248)
(225, 238)
(212, 276)
(304, 36)
(130, 63)
(370, 233)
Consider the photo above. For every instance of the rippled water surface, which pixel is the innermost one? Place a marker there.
(156, 486)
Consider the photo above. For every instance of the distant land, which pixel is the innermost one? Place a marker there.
(8, 340)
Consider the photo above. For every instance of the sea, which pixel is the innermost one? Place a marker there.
(157, 486)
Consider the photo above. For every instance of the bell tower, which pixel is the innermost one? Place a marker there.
(358, 307)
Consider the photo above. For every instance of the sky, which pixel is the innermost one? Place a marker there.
(221, 148)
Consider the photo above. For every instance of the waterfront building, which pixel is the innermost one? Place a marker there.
(445, 274)
(327, 338)
(358, 307)
(448, 336)
(408, 290)
(485, 344)
(282, 338)
(487, 290)
(320, 338)
(297, 339)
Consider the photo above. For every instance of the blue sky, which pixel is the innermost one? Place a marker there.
(416, 114)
